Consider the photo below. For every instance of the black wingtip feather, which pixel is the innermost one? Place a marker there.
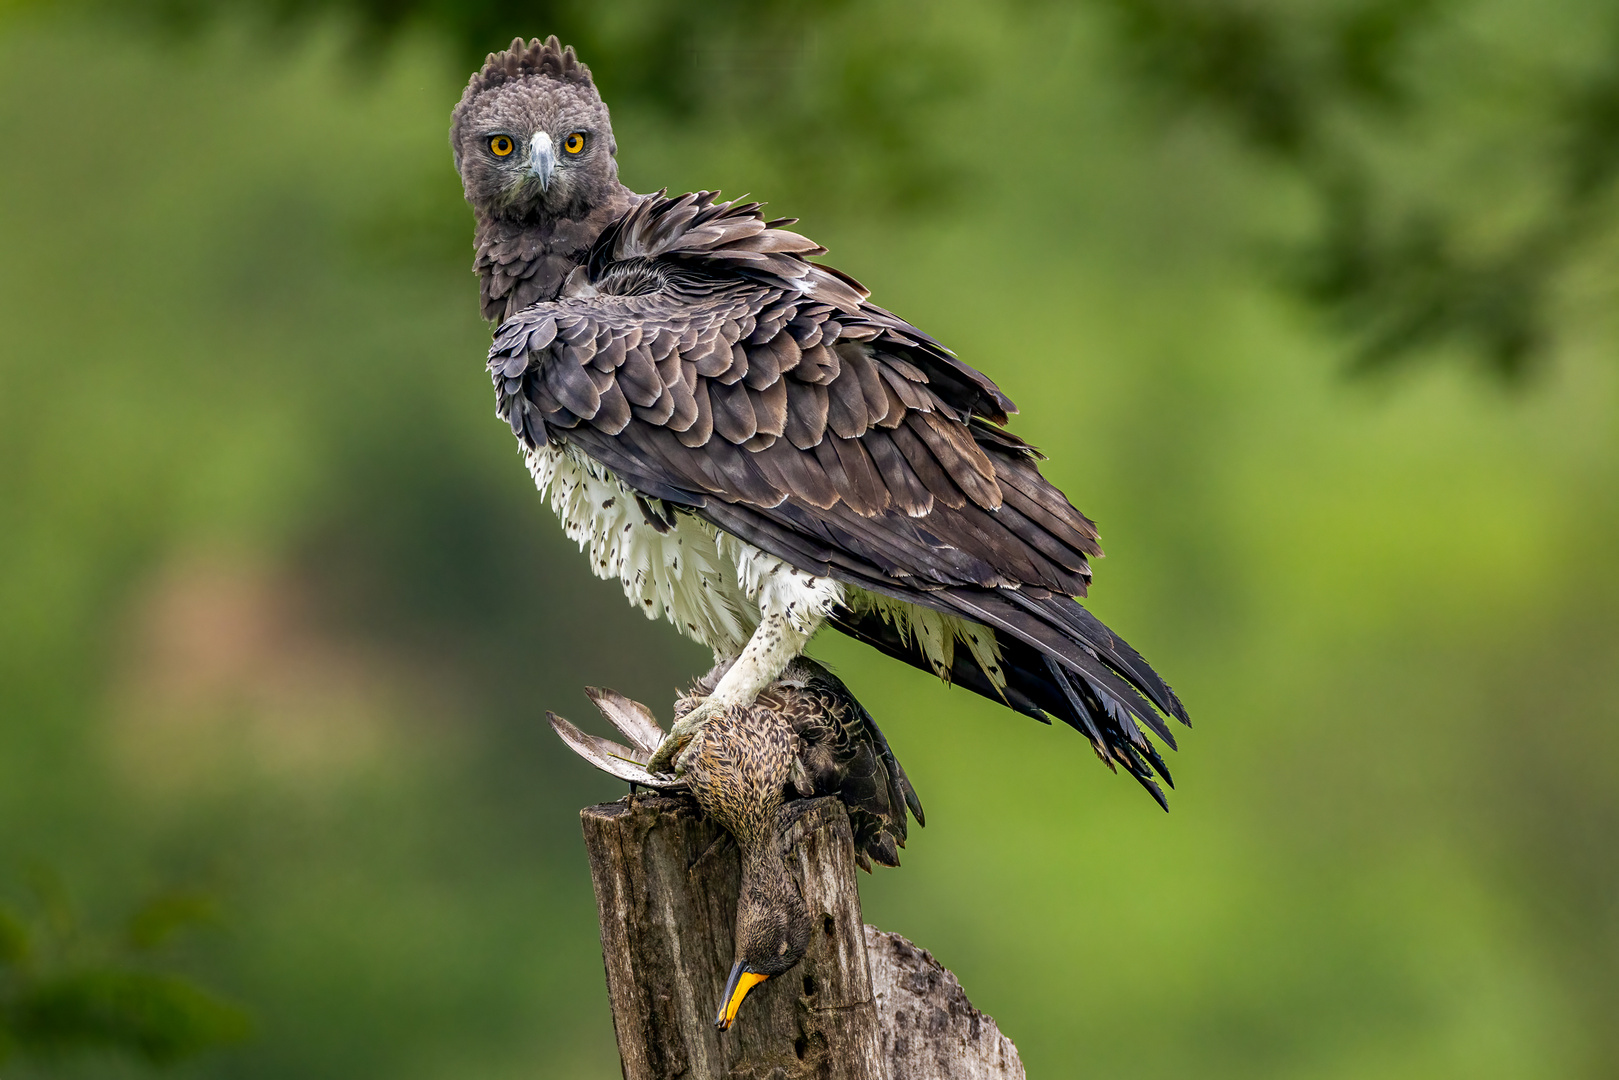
(1154, 790)
(1078, 621)
(1094, 699)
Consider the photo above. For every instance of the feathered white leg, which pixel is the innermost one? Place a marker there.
(773, 646)
(792, 606)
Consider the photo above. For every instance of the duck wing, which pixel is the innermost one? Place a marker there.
(842, 752)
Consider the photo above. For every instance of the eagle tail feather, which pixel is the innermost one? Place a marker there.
(1075, 669)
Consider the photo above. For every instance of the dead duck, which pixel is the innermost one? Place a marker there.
(805, 736)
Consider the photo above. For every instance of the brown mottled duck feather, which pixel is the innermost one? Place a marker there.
(738, 767)
(806, 732)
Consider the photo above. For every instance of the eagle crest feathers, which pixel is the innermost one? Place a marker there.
(548, 58)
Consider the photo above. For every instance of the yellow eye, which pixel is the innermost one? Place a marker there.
(574, 143)
(501, 145)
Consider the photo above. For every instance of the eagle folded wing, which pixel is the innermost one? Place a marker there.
(703, 358)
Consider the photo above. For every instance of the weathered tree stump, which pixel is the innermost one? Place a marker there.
(666, 885)
(928, 1027)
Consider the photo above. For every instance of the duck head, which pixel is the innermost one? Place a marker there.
(773, 931)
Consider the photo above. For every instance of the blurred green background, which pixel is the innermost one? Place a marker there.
(280, 612)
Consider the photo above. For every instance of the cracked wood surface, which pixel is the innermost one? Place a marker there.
(863, 1005)
(928, 1027)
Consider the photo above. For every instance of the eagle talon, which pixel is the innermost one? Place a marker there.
(664, 758)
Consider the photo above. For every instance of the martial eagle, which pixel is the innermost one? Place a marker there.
(754, 449)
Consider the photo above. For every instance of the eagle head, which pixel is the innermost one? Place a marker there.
(531, 136)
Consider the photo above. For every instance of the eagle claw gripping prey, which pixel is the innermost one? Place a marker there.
(806, 735)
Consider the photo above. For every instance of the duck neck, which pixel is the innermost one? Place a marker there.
(772, 921)
(764, 869)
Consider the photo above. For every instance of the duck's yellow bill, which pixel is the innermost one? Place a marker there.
(736, 988)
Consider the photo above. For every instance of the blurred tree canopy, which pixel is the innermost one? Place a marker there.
(1356, 97)
(1515, 156)
(819, 70)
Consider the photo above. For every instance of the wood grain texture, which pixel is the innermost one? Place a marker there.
(666, 885)
(929, 1028)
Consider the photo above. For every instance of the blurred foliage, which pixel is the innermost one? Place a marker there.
(283, 613)
(1337, 93)
(818, 69)
(1341, 94)
(63, 992)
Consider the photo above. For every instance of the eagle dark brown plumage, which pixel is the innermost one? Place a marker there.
(687, 352)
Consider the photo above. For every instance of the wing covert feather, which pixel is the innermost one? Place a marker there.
(745, 374)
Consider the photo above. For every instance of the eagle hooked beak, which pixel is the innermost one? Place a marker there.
(541, 158)
(736, 988)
